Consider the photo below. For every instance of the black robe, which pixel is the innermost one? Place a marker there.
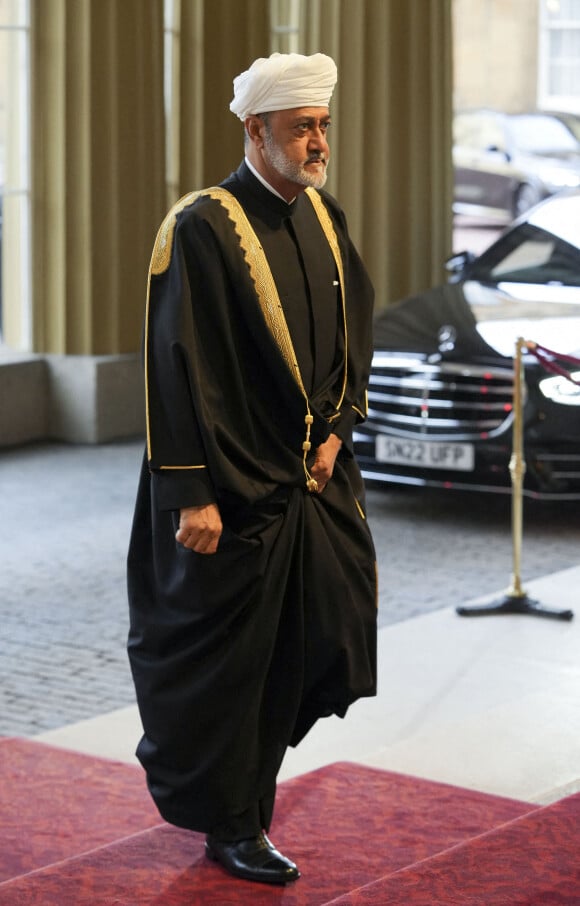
(236, 655)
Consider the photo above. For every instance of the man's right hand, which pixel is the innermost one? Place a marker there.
(200, 528)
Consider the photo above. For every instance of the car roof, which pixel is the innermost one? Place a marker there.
(559, 215)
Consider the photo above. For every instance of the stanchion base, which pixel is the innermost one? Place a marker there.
(515, 604)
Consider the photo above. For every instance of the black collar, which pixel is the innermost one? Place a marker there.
(256, 197)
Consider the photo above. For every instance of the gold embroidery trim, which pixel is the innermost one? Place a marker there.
(270, 305)
(263, 281)
(160, 258)
(161, 255)
(331, 238)
(360, 509)
(186, 468)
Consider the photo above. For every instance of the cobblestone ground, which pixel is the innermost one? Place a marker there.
(441, 549)
(66, 516)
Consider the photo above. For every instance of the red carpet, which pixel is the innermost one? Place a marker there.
(55, 803)
(359, 835)
(532, 861)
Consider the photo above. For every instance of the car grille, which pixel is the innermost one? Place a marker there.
(443, 400)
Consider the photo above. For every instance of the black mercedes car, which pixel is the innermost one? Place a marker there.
(441, 387)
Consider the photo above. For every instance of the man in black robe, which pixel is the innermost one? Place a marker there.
(251, 569)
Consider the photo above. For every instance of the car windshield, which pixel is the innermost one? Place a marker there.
(529, 255)
(541, 134)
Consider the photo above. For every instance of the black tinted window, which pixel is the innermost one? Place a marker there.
(529, 255)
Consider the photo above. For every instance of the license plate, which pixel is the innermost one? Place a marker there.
(425, 453)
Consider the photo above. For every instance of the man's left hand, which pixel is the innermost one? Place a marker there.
(323, 466)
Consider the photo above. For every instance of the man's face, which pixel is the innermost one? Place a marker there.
(295, 148)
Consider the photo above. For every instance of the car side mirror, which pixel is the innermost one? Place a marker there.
(457, 264)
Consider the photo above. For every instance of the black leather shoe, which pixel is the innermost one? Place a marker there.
(255, 859)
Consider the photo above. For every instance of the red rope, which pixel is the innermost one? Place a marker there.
(546, 358)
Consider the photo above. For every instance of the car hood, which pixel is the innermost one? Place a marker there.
(442, 321)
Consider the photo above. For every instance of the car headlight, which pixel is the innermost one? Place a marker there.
(561, 390)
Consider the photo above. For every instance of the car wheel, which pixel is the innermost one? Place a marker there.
(525, 197)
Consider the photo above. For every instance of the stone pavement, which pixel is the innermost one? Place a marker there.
(66, 517)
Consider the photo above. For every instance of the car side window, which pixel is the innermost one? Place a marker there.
(532, 256)
(525, 258)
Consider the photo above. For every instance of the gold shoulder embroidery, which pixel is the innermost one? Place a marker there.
(161, 255)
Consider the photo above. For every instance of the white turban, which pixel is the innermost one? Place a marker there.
(283, 81)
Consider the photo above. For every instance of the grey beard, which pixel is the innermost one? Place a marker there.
(290, 170)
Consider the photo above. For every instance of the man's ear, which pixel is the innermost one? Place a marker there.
(255, 128)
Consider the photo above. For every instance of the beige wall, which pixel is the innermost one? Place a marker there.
(495, 53)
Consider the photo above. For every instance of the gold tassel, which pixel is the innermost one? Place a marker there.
(311, 483)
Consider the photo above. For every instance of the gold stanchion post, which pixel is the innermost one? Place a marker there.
(516, 599)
